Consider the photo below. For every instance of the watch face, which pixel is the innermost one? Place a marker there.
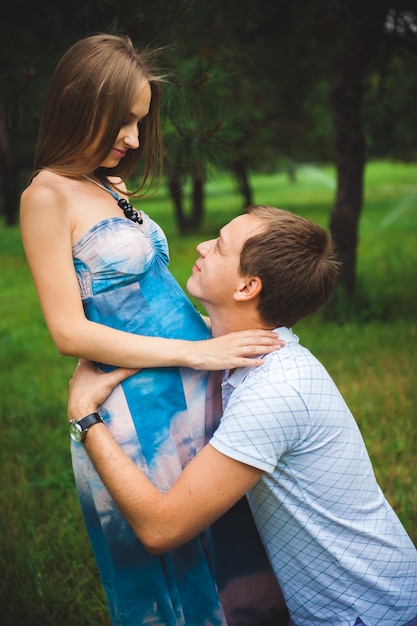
(75, 431)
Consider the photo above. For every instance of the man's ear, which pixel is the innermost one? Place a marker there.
(249, 287)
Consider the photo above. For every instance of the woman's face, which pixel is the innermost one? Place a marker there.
(129, 134)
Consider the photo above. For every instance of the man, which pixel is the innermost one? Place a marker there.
(287, 439)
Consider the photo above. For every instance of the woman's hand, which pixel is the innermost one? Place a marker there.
(238, 349)
(89, 387)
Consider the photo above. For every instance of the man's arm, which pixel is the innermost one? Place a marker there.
(209, 485)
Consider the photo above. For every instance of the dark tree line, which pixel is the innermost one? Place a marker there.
(250, 87)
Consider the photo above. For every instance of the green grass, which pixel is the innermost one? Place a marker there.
(47, 572)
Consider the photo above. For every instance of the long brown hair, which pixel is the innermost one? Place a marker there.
(296, 261)
(90, 95)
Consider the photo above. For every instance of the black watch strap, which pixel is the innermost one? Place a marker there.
(78, 428)
(89, 420)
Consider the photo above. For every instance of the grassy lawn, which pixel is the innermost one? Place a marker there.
(48, 574)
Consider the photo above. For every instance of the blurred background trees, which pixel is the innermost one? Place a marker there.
(251, 87)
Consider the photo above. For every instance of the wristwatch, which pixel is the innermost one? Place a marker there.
(78, 428)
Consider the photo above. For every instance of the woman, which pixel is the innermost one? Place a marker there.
(101, 272)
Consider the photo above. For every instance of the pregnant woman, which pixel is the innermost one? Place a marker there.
(101, 273)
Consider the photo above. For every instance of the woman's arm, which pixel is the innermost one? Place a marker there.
(46, 234)
(210, 484)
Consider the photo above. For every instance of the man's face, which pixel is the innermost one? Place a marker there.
(215, 275)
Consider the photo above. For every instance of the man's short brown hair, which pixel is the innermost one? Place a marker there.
(296, 261)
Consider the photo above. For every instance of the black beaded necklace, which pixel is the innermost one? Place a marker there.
(126, 207)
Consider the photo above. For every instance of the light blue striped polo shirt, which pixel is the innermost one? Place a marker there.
(337, 547)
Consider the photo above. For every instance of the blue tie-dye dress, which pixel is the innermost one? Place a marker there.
(160, 417)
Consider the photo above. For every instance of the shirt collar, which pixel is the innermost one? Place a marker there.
(240, 373)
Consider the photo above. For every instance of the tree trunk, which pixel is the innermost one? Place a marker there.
(241, 174)
(10, 175)
(346, 100)
(346, 107)
(191, 223)
(197, 210)
(175, 189)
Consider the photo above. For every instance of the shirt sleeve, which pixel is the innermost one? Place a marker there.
(262, 422)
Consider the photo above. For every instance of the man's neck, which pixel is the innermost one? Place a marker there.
(224, 322)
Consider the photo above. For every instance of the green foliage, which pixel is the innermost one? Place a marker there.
(391, 93)
(47, 571)
(198, 126)
(250, 81)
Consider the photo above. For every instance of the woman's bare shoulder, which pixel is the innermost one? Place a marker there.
(45, 184)
(46, 191)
